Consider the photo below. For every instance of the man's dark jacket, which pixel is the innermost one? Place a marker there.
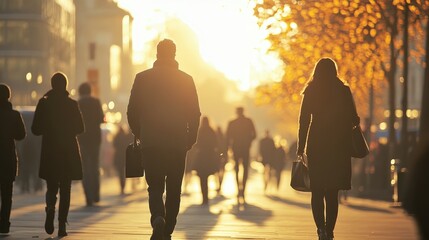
(59, 121)
(93, 116)
(11, 129)
(163, 110)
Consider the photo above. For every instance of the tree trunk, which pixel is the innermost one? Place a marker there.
(424, 112)
(404, 129)
(392, 90)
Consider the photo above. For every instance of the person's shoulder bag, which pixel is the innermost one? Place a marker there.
(300, 180)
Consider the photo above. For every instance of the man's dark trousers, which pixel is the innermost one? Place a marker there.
(164, 169)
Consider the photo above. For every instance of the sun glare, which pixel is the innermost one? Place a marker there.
(228, 35)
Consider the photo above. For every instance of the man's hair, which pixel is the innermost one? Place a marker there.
(4, 92)
(59, 81)
(85, 89)
(166, 49)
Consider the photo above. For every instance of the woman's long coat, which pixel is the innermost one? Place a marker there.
(11, 129)
(58, 120)
(326, 120)
(207, 158)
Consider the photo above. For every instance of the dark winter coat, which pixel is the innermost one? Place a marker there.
(207, 160)
(93, 116)
(267, 150)
(58, 119)
(11, 129)
(240, 133)
(163, 109)
(327, 115)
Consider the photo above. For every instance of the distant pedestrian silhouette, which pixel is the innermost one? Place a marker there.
(59, 121)
(327, 117)
(267, 150)
(11, 129)
(223, 154)
(164, 113)
(240, 134)
(121, 141)
(279, 164)
(89, 143)
(207, 157)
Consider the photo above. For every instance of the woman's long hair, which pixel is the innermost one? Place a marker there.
(325, 71)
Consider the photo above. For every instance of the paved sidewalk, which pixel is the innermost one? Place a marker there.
(276, 215)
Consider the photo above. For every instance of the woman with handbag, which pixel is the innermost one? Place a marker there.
(326, 120)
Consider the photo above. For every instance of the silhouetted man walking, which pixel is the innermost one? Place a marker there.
(240, 134)
(89, 142)
(11, 129)
(163, 112)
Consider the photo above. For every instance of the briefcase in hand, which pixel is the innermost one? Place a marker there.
(134, 166)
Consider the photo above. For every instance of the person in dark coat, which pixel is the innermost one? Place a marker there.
(11, 128)
(164, 113)
(58, 120)
(326, 120)
(267, 150)
(89, 143)
(207, 160)
(240, 134)
(416, 198)
(121, 141)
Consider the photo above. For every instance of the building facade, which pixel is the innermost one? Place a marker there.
(104, 53)
(37, 38)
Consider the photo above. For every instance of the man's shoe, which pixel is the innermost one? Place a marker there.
(62, 232)
(158, 228)
(49, 221)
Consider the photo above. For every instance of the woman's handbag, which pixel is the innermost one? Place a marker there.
(300, 180)
(134, 166)
(359, 145)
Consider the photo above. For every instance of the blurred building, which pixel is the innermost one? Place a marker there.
(37, 38)
(104, 53)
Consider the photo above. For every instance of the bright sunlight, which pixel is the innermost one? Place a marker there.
(228, 34)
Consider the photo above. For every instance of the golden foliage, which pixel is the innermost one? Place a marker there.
(356, 34)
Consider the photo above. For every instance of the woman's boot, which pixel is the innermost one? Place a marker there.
(62, 229)
(322, 234)
(49, 222)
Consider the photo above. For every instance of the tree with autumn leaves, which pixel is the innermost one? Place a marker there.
(363, 36)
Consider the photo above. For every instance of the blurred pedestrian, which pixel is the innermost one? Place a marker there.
(164, 113)
(326, 120)
(11, 128)
(207, 158)
(240, 134)
(267, 151)
(223, 155)
(59, 121)
(121, 141)
(89, 143)
(279, 164)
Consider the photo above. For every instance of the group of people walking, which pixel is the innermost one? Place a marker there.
(70, 139)
(164, 113)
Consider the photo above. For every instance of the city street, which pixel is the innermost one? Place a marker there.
(275, 215)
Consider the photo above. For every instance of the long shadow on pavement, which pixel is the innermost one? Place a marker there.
(199, 221)
(290, 202)
(368, 208)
